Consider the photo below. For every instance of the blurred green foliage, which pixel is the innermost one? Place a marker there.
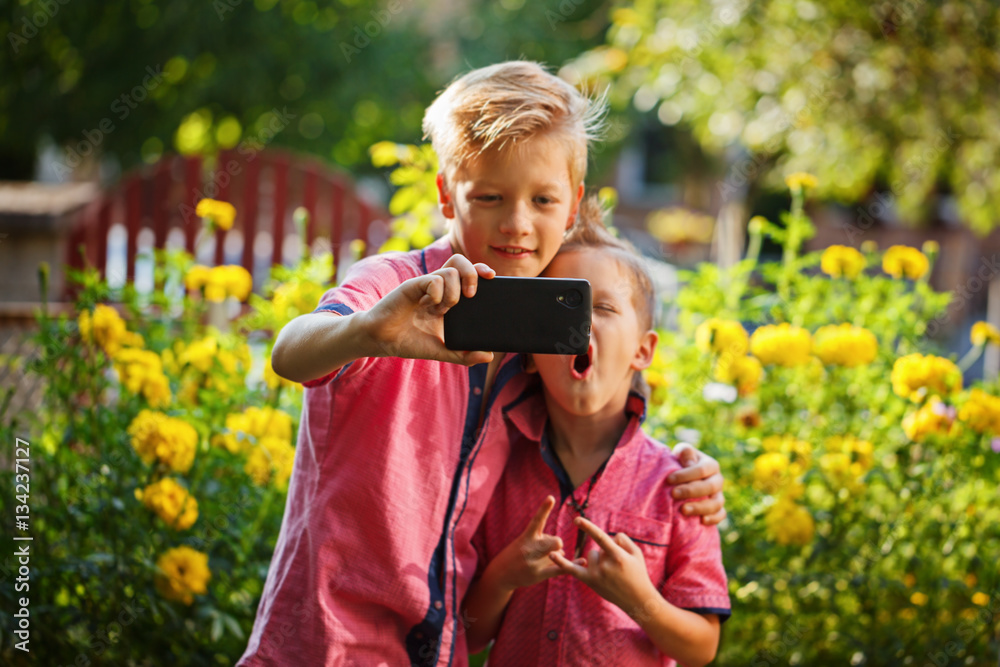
(901, 96)
(350, 72)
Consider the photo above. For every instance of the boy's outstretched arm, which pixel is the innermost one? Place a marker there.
(617, 572)
(406, 322)
(523, 562)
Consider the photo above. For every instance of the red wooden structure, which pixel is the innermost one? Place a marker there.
(265, 187)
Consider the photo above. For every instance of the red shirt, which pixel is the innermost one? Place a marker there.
(561, 621)
(389, 482)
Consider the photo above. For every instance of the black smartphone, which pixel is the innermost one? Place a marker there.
(533, 315)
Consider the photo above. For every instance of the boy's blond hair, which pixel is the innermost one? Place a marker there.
(495, 107)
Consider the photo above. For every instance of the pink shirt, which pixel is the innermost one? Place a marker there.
(561, 621)
(389, 482)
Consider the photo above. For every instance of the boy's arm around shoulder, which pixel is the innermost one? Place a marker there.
(406, 322)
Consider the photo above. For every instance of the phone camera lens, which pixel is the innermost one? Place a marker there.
(573, 298)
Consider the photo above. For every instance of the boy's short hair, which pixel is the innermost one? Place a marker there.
(492, 108)
(589, 233)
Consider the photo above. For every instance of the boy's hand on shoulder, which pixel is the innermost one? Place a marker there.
(409, 321)
(699, 478)
(525, 561)
(617, 571)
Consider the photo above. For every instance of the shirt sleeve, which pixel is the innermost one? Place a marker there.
(696, 579)
(366, 282)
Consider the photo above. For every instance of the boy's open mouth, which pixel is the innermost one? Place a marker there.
(581, 366)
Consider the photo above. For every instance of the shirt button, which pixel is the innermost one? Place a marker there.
(438, 605)
(477, 391)
(552, 635)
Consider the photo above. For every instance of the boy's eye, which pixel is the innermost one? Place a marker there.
(544, 200)
(605, 307)
(488, 198)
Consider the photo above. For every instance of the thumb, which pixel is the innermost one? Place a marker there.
(686, 454)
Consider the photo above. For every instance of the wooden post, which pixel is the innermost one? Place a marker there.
(991, 360)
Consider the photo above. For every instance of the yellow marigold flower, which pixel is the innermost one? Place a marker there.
(781, 344)
(744, 373)
(272, 459)
(861, 453)
(981, 411)
(157, 437)
(197, 277)
(915, 376)
(221, 213)
(845, 345)
(171, 502)
(182, 573)
(141, 372)
(980, 599)
(919, 599)
(841, 260)
(220, 282)
(869, 247)
(933, 418)
(900, 260)
(931, 248)
(984, 332)
(789, 523)
(252, 426)
(800, 180)
(839, 471)
(200, 354)
(236, 280)
(104, 327)
(799, 452)
(770, 471)
(727, 337)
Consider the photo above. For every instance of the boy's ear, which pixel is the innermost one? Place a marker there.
(576, 207)
(444, 197)
(644, 352)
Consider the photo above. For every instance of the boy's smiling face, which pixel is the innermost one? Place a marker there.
(598, 382)
(510, 210)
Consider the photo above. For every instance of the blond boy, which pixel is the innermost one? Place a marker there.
(390, 480)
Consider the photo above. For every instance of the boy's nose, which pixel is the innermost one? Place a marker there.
(518, 223)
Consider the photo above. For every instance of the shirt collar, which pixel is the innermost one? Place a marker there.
(437, 253)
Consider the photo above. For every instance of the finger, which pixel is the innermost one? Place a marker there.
(686, 453)
(473, 358)
(603, 539)
(549, 543)
(714, 519)
(699, 488)
(703, 507)
(467, 273)
(427, 290)
(452, 286)
(537, 524)
(705, 467)
(484, 270)
(626, 543)
(569, 567)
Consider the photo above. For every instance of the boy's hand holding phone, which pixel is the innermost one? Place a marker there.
(525, 561)
(408, 322)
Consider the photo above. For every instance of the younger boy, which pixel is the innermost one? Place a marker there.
(648, 587)
(390, 480)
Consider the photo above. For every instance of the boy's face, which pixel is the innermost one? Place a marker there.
(511, 210)
(599, 381)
